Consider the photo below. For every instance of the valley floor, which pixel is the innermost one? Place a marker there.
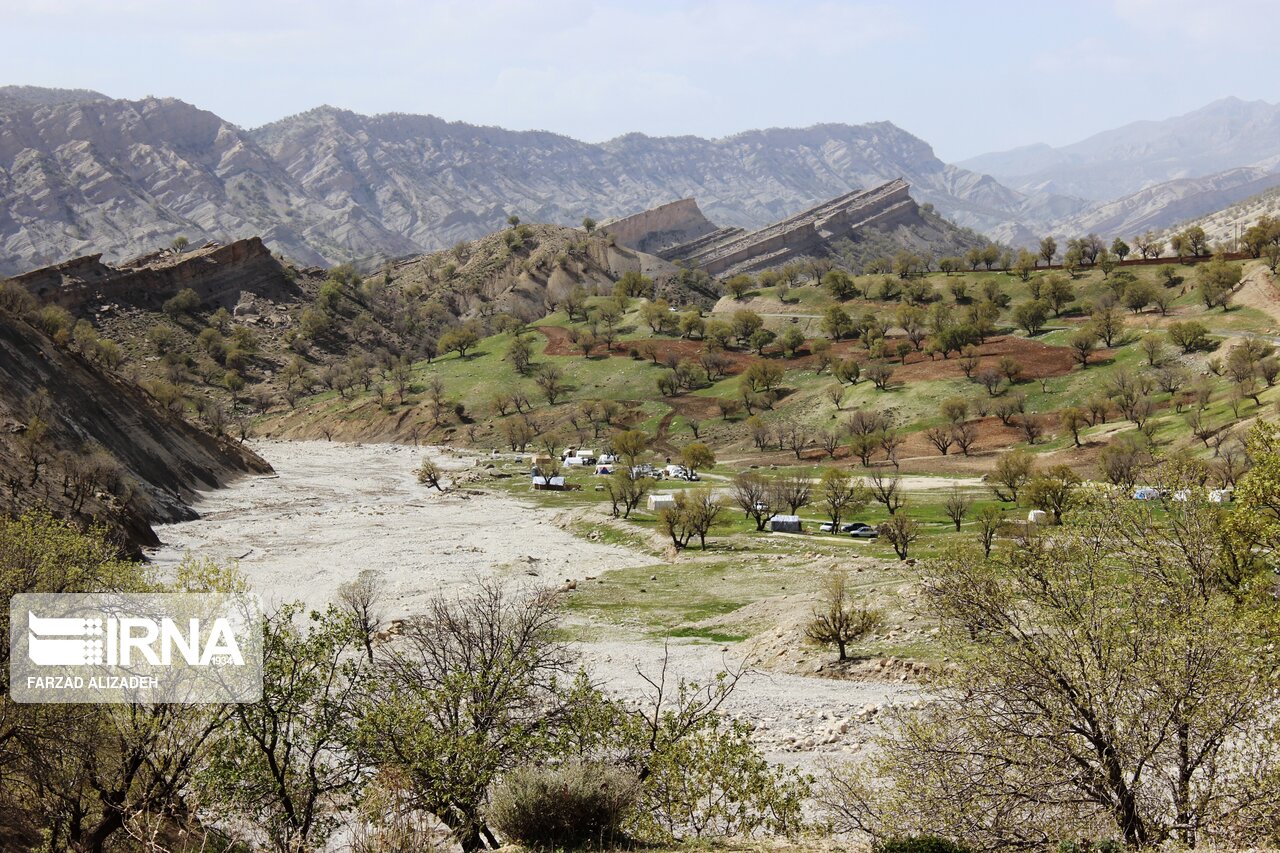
(333, 510)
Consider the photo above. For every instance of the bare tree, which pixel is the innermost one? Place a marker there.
(794, 490)
(841, 496)
(957, 506)
(941, 438)
(755, 496)
(625, 492)
(900, 531)
(887, 490)
(430, 475)
(837, 619)
(480, 680)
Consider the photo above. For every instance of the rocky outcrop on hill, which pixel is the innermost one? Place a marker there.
(805, 234)
(661, 227)
(217, 273)
(883, 215)
(88, 445)
(525, 272)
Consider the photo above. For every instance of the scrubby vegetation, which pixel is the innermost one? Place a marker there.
(1073, 464)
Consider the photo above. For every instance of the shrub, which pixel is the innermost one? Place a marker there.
(920, 844)
(562, 807)
(184, 301)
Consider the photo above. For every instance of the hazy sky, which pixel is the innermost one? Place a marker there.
(967, 77)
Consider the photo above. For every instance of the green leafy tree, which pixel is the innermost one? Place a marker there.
(1140, 737)
(286, 763)
(469, 690)
(1048, 248)
(1051, 490)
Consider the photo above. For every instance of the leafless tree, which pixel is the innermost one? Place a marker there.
(957, 506)
(836, 619)
(887, 490)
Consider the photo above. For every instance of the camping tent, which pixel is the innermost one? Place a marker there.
(785, 524)
(662, 501)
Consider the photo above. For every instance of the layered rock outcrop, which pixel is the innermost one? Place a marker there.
(217, 273)
(662, 227)
(808, 233)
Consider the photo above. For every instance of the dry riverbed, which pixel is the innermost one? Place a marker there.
(333, 510)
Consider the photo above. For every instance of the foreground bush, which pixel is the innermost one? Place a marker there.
(562, 807)
(920, 844)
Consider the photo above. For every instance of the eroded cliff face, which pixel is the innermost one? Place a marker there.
(661, 227)
(809, 233)
(217, 273)
(89, 445)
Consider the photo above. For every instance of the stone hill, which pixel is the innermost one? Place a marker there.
(661, 227)
(880, 216)
(1226, 134)
(217, 273)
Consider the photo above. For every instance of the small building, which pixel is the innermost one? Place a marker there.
(1222, 496)
(662, 501)
(537, 460)
(785, 524)
(1146, 493)
(1038, 516)
(588, 457)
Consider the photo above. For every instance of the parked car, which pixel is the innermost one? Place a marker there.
(826, 527)
(862, 530)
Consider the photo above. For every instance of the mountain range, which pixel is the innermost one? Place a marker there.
(1226, 134)
(81, 172)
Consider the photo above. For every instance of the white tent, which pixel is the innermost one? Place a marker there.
(662, 501)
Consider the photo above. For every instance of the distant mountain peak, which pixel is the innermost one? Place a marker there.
(1225, 134)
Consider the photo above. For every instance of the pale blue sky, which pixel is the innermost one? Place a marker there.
(967, 77)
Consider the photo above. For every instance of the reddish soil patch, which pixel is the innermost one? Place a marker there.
(1038, 360)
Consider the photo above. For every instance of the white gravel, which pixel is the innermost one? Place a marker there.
(332, 510)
